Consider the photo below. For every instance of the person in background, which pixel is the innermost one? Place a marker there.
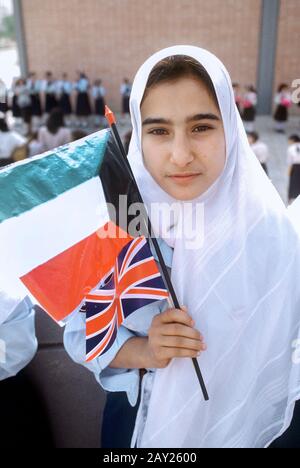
(260, 149)
(283, 101)
(9, 141)
(249, 103)
(49, 87)
(23, 417)
(83, 105)
(18, 342)
(64, 92)
(16, 111)
(25, 104)
(55, 133)
(125, 91)
(35, 87)
(293, 161)
(34, 146)
(78, 134)
(98, 93)
(237, 96)
(3, 97)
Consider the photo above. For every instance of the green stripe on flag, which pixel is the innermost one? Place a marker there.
(24, 186)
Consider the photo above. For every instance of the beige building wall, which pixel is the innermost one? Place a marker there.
(288, 47)
(111, 38)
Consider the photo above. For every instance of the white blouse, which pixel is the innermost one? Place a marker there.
(49, 141)
(261, 151)
(293, 154)
(9, 141)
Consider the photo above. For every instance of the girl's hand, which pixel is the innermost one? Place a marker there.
(172, 334)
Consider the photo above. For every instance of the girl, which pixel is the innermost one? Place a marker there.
(18, 343)
(283, 101)
(54, 134)
(24, 104)
(16, 111)
(125, 91)
(34, 147)
(237, 96)
(293, 160)
(9, 142)
(35, 88)
(3, 98)
(249, 104)
(98, 93)
(83, 106)
(240, 284)
(64, 89)
(50, 93)
(260, 149)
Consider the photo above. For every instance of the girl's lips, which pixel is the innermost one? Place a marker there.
(183, 179)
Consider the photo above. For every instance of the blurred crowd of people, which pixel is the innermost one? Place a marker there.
(15, 147)
(247, 99)
(31, 100)
(262, 152)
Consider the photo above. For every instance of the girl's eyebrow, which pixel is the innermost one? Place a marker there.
(207, 116)
(194, 118)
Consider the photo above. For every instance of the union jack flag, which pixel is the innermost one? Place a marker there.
(133, 282)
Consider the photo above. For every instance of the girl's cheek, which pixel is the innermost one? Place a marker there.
(151, 163)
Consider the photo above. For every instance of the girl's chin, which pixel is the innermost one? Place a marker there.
(184, 192)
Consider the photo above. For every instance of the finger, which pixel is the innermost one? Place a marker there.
(175, 315)
(185, 309)
(170, 353)
(181, 343)
(177, 329)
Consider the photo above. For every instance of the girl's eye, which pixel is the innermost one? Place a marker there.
(202, 128)
(158, 131)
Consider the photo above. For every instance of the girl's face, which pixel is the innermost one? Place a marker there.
(183, 138)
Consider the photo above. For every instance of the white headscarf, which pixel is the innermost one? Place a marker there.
(242, 289)
(7, 305)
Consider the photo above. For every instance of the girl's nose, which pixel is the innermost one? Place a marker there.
(181, 153)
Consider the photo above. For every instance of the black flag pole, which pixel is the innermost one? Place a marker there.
(113, 126)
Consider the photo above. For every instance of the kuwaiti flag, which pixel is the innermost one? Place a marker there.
(58, 238)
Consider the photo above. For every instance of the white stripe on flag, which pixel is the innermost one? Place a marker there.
(42, 233)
